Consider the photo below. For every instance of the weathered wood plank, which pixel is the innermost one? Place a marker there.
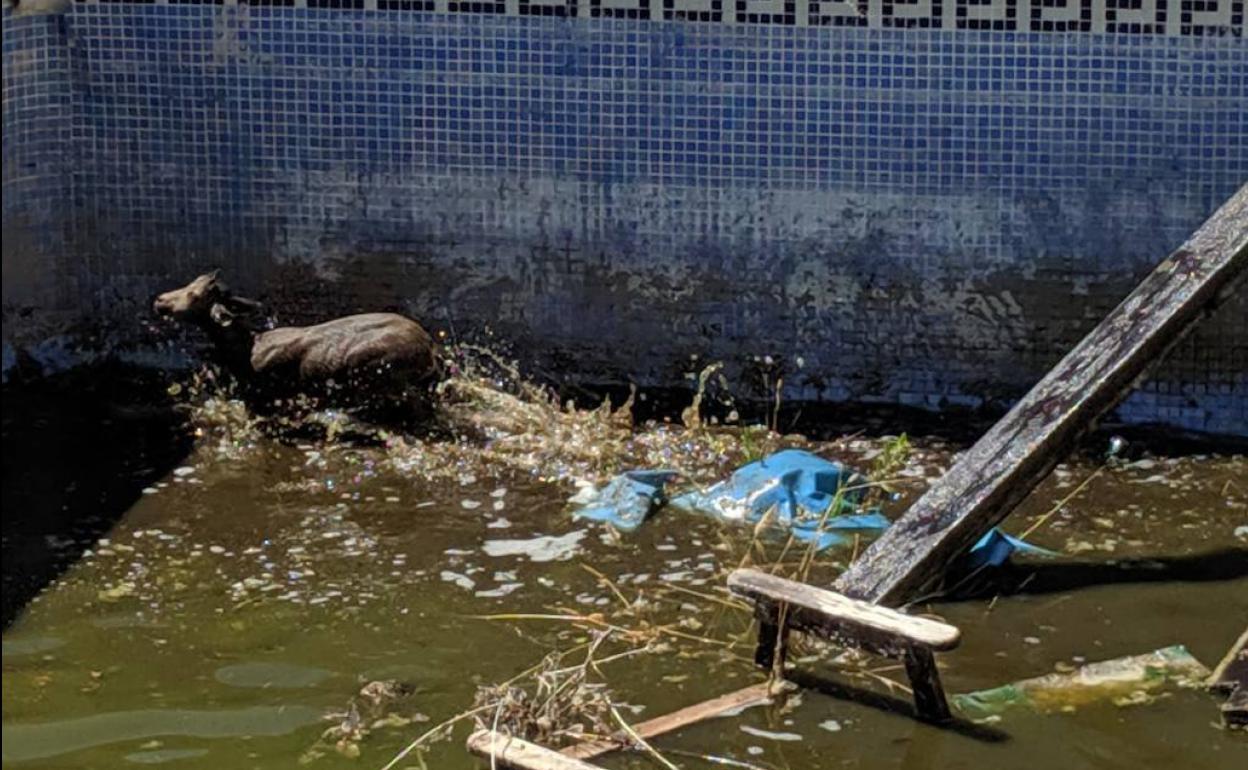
(754, 695)
(1230, 678)
(522, 755)
(929, 696)
(1232, 672)
(773, 643)
(1022, 448)
(1235, 710)
(870, 626)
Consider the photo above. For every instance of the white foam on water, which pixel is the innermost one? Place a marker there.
(756, 732)
(539, 549)
(463, 581)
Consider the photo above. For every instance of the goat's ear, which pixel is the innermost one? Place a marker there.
(221, 315)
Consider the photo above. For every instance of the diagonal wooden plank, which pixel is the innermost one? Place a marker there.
(746, 697)
(518, 754)
(1022, 448)
(1231, 679)
(1232, 672)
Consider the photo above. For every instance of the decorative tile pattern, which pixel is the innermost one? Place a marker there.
(1153, 17)
(926, 204)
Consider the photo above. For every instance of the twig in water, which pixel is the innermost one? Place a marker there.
(610, 584)
(717, 760)
(498, 712)
(775, 419)
(727, 602)
(627, 728)
(432, 732)
(1061, 503)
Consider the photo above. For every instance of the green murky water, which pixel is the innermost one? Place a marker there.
(254, 590)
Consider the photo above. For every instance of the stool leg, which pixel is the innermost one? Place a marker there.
(929, 696)
(773, 642)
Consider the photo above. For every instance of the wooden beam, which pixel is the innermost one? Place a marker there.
(754, 695)
(1022, 448)
(522, 755)
(772, 648)
(874, 628)
(1231, 679)
(929, 696)
(1235, 710)
(1232, 671)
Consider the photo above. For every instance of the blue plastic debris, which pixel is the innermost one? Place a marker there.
(995, 548)
(626, 501)
(798, 490)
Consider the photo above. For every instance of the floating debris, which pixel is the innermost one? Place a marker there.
(539, 549)
(1123, 681)
(463, 581)
(768, 734)
(117, 592)
(560, 706)
(370, 710)
(625, 501)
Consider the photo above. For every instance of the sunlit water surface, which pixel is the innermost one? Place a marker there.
(238, 608)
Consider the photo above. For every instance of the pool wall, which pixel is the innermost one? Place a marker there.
(923, 203)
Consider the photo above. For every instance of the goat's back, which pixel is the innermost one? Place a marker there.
(347, 346)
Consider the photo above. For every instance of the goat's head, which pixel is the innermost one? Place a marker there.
(204, 300)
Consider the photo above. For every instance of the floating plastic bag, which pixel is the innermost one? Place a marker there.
(626, 501)
(1124, 681)
(995, 549)
(797, 489)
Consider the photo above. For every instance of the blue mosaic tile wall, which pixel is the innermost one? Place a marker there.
(923, 202)
(36, 200)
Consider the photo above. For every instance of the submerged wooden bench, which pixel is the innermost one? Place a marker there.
(782, 605)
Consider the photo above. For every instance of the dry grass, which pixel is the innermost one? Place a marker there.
(557, 705)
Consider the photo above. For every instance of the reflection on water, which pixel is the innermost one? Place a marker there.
(278, 675)
(50, 739)
(248, 598)
(161, 756)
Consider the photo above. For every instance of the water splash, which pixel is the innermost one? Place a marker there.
(492, 419)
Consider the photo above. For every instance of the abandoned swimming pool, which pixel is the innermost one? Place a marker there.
(232, 615)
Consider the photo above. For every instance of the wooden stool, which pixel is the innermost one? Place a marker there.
(782, 605)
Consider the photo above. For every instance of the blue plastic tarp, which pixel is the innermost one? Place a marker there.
(813, 499)
(797, 489)
(626, 501)
(995, 549)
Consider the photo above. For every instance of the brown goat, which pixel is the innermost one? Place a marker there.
(369, 359)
